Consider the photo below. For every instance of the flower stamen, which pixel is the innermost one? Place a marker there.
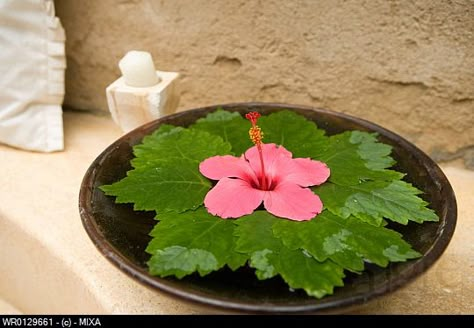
(256, 135)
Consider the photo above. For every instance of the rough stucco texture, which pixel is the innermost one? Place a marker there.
(407, 65)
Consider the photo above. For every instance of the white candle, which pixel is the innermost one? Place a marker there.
(138, 69)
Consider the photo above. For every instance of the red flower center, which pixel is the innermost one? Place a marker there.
(270, 184)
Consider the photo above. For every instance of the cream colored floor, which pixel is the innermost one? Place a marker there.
(49, 265)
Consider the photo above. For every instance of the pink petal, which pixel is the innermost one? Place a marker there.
(291, 201)
(271, 153)
(301, 171)
(232, 198)
(227, 166)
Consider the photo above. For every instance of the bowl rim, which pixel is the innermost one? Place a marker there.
(418, 267)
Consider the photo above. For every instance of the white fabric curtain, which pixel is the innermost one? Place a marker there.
(32, 65)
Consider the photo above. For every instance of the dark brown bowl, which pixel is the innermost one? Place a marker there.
(121, 234)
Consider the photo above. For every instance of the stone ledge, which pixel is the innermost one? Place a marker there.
(7, 308)
(49, 264)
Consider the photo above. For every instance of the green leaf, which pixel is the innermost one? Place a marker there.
(322, 238)
(180, 261)
(348, 242)
(303, 271)
(270, 257)
(232, 127)
(254, 233)
(297, 134)
(373, 201)
(334, 198)
(162, 130)
(176, 144)
(347, 166)
(162, 188)
(263, 268)
(166, 175)
(375, 154)
(193, 230)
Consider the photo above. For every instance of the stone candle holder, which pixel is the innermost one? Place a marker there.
(142, 94)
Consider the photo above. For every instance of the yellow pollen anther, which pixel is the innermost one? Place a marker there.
(256, 134)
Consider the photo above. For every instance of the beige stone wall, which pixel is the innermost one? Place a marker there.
(407, 65)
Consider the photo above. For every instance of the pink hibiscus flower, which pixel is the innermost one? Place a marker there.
(265, 173)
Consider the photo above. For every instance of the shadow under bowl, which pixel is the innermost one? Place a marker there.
(121, 234)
